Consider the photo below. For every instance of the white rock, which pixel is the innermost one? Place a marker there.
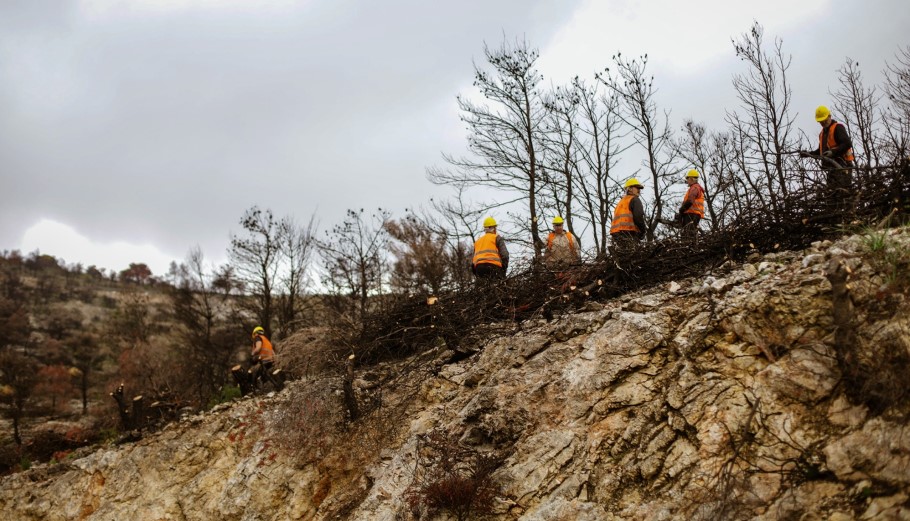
(810, 260)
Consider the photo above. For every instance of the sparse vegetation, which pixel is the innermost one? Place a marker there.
(453, 479)
(889, 258)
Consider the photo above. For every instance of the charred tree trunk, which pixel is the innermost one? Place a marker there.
(350, 401)
(131, 416)
(845, 327)
(243, 379)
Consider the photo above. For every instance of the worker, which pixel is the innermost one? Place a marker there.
(835, 151)
(562, 246)
(262, 358)
(491, 257)
(628, 226)
(692, 210)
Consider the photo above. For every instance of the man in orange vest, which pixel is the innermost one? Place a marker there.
(835, 150)
(491, 258)
(692, 210)
(628, 226)
(263, 354)
(562, 246)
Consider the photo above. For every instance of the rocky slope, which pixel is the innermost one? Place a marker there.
(731, 396)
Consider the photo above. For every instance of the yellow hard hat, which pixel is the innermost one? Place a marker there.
(558, 220)
(822, 113)
(692, 173)
(258, 330)
(633, 182)
(489, 221)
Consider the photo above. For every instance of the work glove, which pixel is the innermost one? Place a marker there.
(828, 153)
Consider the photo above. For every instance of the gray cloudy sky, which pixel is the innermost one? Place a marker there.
(133, 130)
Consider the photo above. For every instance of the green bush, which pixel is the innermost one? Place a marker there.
(227, 393)
(888, 256)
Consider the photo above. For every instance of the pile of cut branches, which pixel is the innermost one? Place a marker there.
(460, 320)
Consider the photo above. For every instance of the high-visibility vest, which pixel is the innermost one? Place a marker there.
(697, 196)
(622, 217)
(266, 352)
(831, 143)
(568, 236)
(486, 252)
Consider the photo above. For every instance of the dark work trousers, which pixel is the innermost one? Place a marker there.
(264, 373)
(689, 223)
(839, 191)
(624, 243)
(486, 271)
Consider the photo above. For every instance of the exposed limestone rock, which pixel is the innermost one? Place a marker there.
(720, 397)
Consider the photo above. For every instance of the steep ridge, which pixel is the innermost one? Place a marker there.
(724, 397)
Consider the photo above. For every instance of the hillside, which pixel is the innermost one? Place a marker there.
(769, 390)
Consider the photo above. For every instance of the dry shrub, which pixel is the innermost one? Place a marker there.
(43, 444)
(308, 423)
(888, 254)
(312, 428)
(10, 456)
(453, 479)
(313, 422)
(309, 352)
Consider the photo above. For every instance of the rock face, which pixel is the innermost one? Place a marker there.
(720, 398)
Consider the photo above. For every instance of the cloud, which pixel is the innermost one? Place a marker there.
(101, 9)
(71, 246)
(677, 36)
(161, 121)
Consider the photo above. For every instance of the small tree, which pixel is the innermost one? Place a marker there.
(14, 323)
(297, 244)
(504, 137)
(896, 117)
(761, 130)
(352, 255)
(87, 354)
(94, 273)
(18, 376)
(255, 258)
(206, 338)
(132, 322)
(55, 384)
(601, 132)
(457, 220)
(422, 261)
(856, 105)
(711, 155)
(137, 273)
(561, 137)
(650, 129)
(271, 260)
(61, 321)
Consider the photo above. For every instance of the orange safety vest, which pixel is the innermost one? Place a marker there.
(622, 217)
(266, 353)
(568, 236)
(698, 202)
(848, 155)
(486, 252)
